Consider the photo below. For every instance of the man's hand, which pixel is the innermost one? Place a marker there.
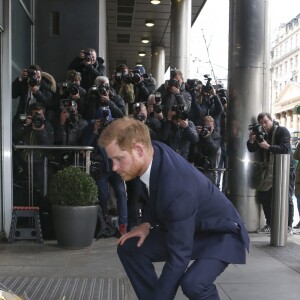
(183, 123)
(264, 145)
(252, 137)
(105, 98)
(24, 74)
(97, 126)
(34, 89)
(141, 231)
(174, 90)
(64, 115)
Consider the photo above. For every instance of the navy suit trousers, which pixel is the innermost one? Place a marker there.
(196, 282)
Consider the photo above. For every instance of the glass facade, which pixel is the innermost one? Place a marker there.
(22, 32)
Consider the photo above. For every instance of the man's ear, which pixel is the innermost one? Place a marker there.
(139, 149)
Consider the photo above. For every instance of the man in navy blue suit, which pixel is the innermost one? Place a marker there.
(187, 222)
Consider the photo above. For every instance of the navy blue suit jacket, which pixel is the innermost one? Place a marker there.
(200, 222)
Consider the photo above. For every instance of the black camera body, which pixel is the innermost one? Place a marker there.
(204, 162)
(208, 86)
(137, 107)
(136, 77)
(173, 73)
(31, 77)
(70, 88)
(173, 83)
(157, 108)
(191, 84)
(99, 90)
(69, 105)
(103, 89)
(258, 130)
(140, 117)
(23, 119)
(103, 116)
(87, 55)
(180, 112)
(157, 97)
(124, 76)
(38, 120)
(204, 130)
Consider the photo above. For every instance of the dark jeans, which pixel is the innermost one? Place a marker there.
(265, 199)
(118, 186)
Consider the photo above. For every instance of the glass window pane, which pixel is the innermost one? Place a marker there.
(21, 42)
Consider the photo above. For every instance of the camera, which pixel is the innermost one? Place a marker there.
(173, 82)
(87, 55)
(173, 73)
(180, 112)
(157, 97)
(99, 90)
(103, 89)
(124, 76)
(204, 130)
(258, 130)
(136, 77)
(38, 120)
(69, 105)
(103, 114)
(157, 108)
(137, 107)
(32, 79)
(208, 86)
(191, 84)
(23, 119)
(69, 88)
(204, 162)
(137, 112)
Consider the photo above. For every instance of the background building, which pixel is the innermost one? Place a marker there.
(285, 75)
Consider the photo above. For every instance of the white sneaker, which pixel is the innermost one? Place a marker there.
(265, 229)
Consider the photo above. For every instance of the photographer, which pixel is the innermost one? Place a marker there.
(178, 132)
(71, 89)
(204, 153)
(34, 130)
(144, 84)
(140, 113)
(122, 84)
(205, 102)
(102, 94)
(70, 128)
(269, 138)
(89, 65)
(173, 92)
(106, 176)
(32, 86)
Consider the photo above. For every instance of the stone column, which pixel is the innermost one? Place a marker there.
(158, 65)
(180, 35)
(289, 120)
(283, 119)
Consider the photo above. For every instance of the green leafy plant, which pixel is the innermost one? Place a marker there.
(72, 187)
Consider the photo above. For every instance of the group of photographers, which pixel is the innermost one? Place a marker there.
(185, 115)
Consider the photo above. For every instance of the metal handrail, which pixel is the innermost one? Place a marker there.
(31, 148)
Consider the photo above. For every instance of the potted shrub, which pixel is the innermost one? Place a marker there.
(73, 195)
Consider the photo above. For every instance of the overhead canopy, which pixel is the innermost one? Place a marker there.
(126, 27)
